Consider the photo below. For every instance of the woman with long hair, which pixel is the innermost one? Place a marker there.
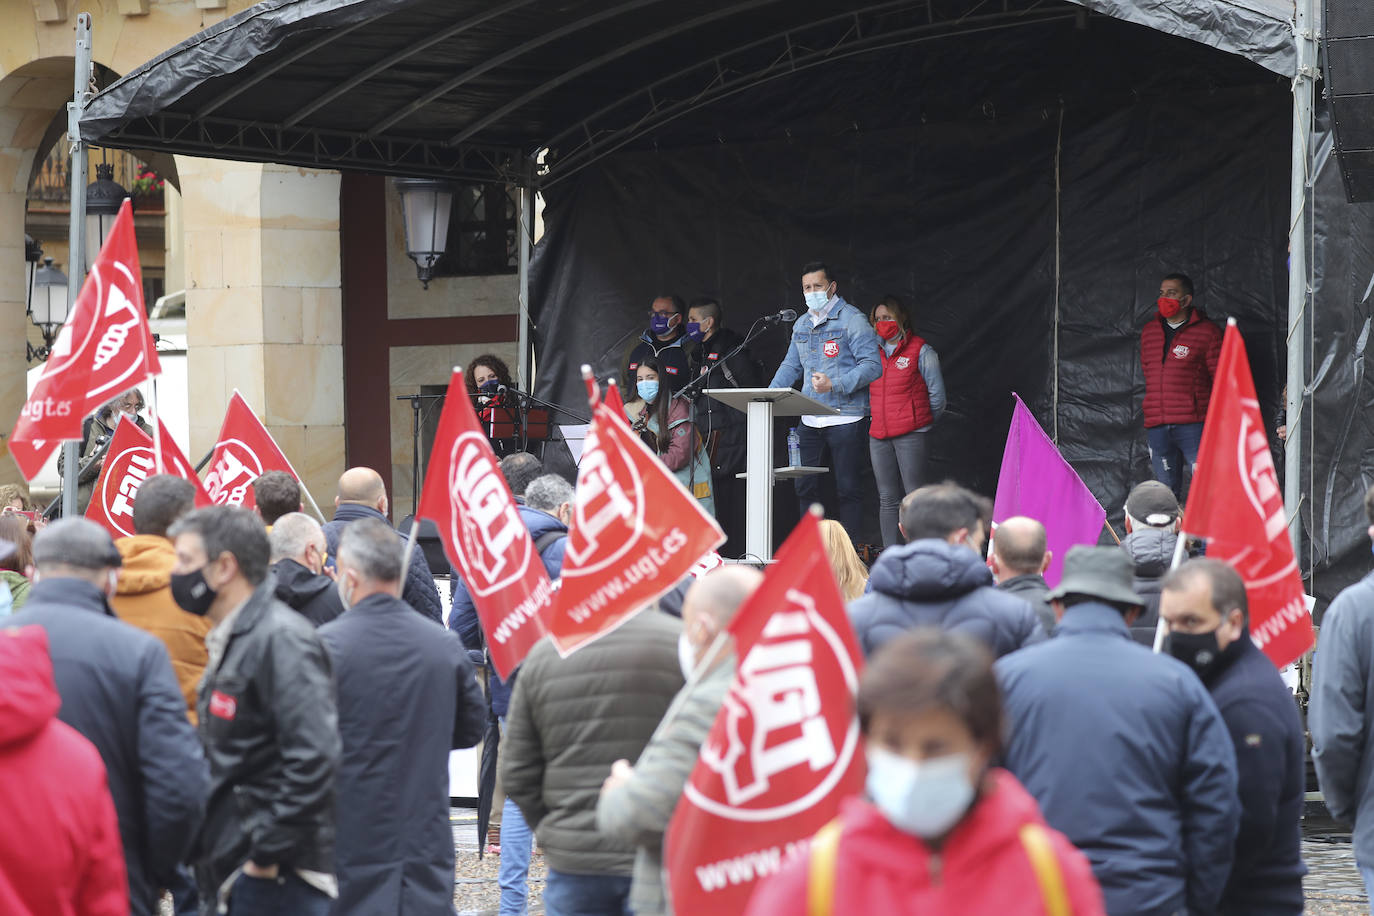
(850, 573)
(941, 830)
(16, 563)
(905, 401)
(665, 425)
(486, 376)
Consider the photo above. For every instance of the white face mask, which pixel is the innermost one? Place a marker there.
(924, 799)
(816, 299)
(686, 655)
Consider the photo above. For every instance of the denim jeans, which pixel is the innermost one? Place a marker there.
(1172, 446)
(848, 447)
(517, 844)
(899, 466)
(587, 895)
(285, 895)
(185, 897)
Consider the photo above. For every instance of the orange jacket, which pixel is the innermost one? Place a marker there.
(144, 599)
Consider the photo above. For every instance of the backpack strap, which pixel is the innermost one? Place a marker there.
(1039, 848)
(820, 874)
(545, 540)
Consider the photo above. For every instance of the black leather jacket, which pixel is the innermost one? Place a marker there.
(269, 724)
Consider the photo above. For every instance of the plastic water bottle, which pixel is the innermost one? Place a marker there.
(793, 448)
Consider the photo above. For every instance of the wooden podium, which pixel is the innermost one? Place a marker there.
(761, 405)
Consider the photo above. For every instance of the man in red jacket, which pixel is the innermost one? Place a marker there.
(1178, 353)
(60, 853)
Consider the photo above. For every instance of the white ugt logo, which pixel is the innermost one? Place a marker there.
(776, 691)
(602, 502)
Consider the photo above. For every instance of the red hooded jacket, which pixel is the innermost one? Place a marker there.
(59, 849)
(1178, 384)
(983, 869)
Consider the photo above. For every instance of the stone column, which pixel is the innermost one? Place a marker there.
(263, 308)
(13, 319)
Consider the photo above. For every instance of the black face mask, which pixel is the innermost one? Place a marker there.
(1199, 651)
(192, 593)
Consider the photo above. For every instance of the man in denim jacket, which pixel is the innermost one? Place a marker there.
(833, 357)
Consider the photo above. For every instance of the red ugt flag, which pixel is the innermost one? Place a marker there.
(128, 462)
(104, 349)
(1235, 503)
(483, 534)
(245, 451)
(636, 531)
(784, 750)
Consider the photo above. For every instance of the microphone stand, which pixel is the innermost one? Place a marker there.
(693, 389)
(417, 405)
(546, 404)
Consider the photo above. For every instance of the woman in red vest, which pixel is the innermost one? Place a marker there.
(906, 400)
(941, 830)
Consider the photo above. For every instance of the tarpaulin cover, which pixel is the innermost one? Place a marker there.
(472, 88)
(930, 173)
(1340, 433)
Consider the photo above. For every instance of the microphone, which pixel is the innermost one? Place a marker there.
(784, 315)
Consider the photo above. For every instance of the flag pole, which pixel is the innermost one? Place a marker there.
(1162, 628)
(157, 428)
(405, 555)
(310, 500)
(76, 268)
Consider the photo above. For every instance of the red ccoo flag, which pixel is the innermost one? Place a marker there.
(104, 349)
(784, 750)
(636, 531)
(128, 462)
(483, 534)
(1235, 503)
(245, 451)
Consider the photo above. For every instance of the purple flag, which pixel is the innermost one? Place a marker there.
(1037, 482)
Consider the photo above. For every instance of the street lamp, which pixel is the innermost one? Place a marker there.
(33, 253)
(48, 307)
(425, 207)
(103, 198)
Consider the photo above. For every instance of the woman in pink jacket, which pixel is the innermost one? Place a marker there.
(941, 830)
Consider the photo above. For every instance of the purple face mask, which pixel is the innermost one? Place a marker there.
(659, 322)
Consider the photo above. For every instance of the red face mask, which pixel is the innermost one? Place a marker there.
(1170, 307)
(887, 330)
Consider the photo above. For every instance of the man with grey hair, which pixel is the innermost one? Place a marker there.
(118, 690)
(268, 720)
(407, 696)
(298, 551)
(552, 494)
(637, 802)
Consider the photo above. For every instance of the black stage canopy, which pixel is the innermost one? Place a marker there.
(477, 89)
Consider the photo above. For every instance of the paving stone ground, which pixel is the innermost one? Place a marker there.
(1333, 884)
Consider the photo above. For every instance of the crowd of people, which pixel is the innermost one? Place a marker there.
(252, 711)
(251, 720)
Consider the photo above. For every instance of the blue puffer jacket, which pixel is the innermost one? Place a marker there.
(930, 583)
(419, 591)
(1129, 758)
(463, 620)
(844, 347)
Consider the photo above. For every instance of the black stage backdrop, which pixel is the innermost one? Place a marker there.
(1023, 191)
